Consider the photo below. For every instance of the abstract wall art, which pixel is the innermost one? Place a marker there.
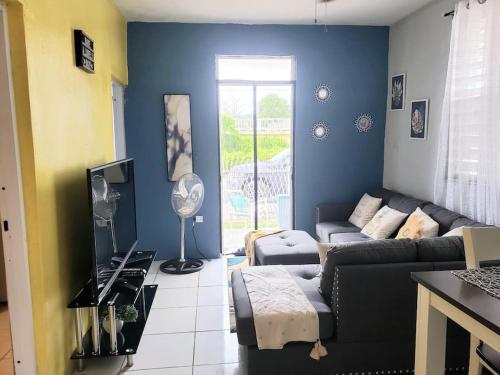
(179, 140)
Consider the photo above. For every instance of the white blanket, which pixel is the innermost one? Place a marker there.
(282, 313)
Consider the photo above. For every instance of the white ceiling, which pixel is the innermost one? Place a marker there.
(339, 12)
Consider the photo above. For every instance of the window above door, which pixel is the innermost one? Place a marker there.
(255, 68)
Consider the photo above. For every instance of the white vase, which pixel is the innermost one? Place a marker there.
(107, 327)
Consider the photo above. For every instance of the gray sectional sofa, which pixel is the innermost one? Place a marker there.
(365, 299)
(332, 223)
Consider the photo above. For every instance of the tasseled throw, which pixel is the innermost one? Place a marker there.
(318, 351)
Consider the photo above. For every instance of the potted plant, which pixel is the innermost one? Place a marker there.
(123, 314)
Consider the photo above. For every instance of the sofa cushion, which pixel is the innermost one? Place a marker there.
(370, 252)
(418, 225)
(440, 249)
(365, 210)
(305, 277)
(384, 223)
(457, 232)
(466, 222)
(287, 247)
(324, 230)
(385, 194)
(442, 216)
(405, 204)
(349, 237)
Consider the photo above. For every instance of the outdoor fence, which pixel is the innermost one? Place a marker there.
(264, 125)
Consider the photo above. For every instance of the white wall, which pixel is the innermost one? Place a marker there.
(419, 46)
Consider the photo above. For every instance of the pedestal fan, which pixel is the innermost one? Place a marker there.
(187, 198)
(104, 200)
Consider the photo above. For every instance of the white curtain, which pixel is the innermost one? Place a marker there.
(468, 170)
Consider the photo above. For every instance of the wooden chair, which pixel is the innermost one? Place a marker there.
(481, 244)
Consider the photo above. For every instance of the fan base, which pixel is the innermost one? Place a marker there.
(178, 266)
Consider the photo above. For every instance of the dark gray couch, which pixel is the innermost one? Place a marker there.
(365, 299)
(332, 223)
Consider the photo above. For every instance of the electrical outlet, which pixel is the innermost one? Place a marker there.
(198, 219)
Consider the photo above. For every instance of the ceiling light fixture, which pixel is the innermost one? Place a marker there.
(325, 15)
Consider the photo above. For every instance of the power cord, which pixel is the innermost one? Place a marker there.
(196, 242)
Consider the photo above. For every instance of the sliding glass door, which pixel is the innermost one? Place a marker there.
(256, 153)
(237, 155)
(273, 130)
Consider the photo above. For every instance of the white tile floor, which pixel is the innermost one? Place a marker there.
(187, 331)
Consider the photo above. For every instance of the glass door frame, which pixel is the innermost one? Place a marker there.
(254, 84)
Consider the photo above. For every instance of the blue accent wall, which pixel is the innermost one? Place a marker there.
(180, 58)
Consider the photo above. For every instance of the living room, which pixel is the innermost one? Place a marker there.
(328, 168)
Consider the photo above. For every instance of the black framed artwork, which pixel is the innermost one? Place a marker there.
(84, 51)
(398, 92)
(419, 119)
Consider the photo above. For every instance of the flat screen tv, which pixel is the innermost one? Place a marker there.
(113, 222)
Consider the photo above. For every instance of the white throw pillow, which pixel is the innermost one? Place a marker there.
(419, 225)
(455, 232)
(365, 210)
(384, 223)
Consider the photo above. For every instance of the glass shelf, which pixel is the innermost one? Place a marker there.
(84, 297)
(96, 342)
(130, 335)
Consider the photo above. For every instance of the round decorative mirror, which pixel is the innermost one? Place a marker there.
(323, 93)
(364, 123)
(320, 131)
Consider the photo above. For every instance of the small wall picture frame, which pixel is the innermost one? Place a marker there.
(398, 92)
(84, 51)
(419, 119)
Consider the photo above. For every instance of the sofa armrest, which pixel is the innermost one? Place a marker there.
(379, 302)
(364, 253)
(334, 211)
(245, 326)
(375, 302)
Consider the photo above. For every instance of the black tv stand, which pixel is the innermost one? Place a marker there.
(135, 258)
(124, 286)
(128, 289)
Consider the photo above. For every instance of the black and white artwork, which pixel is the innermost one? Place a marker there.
(178, 129)
(419, 118)
(398, 91)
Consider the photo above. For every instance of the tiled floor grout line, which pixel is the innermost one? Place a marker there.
(195, 322)
(195, 317)
(216, 284)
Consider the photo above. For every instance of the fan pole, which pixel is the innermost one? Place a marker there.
(182, 259)
(113, 236)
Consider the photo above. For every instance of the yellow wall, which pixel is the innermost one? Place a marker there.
(64, 119)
